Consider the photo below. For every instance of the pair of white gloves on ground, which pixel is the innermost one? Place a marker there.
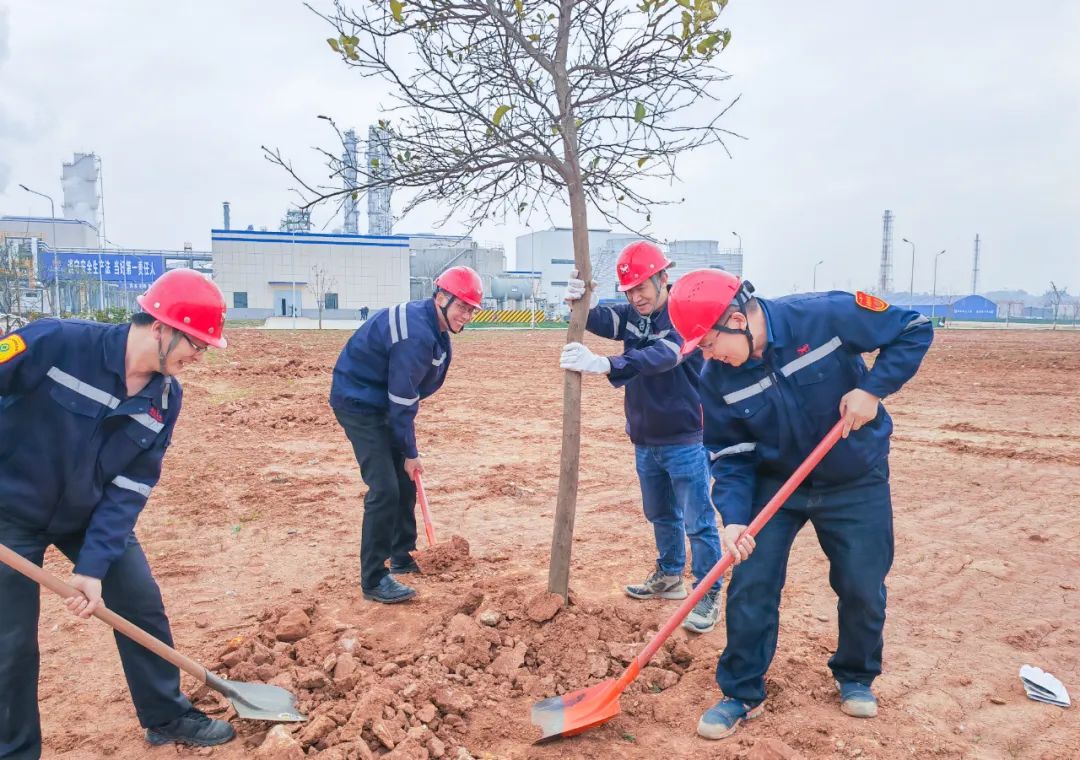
(575, 356)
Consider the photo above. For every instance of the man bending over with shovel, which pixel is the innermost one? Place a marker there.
(87, 411)
(398, 357)
(780, 374)
(663, 419)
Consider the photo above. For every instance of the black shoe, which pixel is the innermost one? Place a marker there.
(405, 568)
(193, 727)
(389, 591)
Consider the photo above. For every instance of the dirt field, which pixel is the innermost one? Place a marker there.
(259, 509)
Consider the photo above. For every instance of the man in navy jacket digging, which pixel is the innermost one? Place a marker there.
(779, 374)
(398, 357)
(87, 411)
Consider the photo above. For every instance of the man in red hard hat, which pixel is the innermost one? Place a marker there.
(396, 358)
(663, 420)
(779, 374)
(87, 411)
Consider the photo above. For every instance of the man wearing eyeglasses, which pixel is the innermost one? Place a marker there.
(87, 411)
(398, 357)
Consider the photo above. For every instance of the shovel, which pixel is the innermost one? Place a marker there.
(253, 701)
(429, 531)
(578, 711)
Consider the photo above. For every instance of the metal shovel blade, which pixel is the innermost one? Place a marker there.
(577, 711)
(257, 701)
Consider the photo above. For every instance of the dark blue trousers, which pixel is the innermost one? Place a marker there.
(389, 527)
(128, 589)
(854, 527)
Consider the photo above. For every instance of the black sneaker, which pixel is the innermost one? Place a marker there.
(194, 728)
(404, 568)
(389, 591)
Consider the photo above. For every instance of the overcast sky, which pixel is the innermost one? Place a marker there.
(961, 117)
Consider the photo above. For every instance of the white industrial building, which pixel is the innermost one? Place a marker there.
(550, 254)
(281, 274)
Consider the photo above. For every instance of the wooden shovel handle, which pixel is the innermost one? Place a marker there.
(22, 565)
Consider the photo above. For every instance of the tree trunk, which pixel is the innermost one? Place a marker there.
(566, 505)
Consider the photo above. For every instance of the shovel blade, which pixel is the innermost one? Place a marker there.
(577, 711)
(258, 701)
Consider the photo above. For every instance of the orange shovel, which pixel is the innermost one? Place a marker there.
(578, 711)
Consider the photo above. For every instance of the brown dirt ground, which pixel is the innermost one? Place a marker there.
(258, 513)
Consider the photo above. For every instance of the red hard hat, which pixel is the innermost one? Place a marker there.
(189, 302)
(463, 283)
(697, 302)
(638, 262)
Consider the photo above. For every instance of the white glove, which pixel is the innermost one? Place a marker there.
(580, 359)
(575, 289)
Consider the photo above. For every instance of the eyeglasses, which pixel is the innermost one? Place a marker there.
(466, 309)
(198, 349)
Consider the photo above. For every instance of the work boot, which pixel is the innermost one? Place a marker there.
(857, 700)
(194, 728)
(706, 613)
(404, 568)
(721, 720)
(389, 591)
(658, 584)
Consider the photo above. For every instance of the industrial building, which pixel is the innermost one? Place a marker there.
(301, 273)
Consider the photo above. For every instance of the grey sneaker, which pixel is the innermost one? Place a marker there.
(706, 613)
(658, 584)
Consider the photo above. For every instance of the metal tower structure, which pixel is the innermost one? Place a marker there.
(348, 162)
(296, 220)
(380, 222)
(975, 268)
(885, 280)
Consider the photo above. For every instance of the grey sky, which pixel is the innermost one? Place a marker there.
(961, 117)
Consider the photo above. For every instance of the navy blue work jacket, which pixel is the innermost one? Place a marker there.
(764, 418)
(77, 454)
(393, 360)
(661, 398)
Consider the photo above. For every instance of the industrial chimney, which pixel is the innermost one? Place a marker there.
(225, 207)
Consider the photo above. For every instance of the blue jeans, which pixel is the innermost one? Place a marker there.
(854, 527)
(675, 496)
(128, 589)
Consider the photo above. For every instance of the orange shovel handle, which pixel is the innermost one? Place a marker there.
(429, 531)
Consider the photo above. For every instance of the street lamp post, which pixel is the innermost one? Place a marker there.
(933, 297)
(736, 234)
(911, 287)
(53, 244)
(814, 286)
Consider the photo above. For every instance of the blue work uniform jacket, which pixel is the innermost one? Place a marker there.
(77, 454)
(396, 358)
(764, 418)
(661, 399)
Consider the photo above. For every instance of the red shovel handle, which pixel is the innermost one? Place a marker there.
(720, 567)
(429, 531)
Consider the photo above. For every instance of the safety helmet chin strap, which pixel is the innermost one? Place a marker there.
(742, 298)
(446, 309)
(163, 355)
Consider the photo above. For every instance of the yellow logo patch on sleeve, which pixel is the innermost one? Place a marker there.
(869, 302)
(11, 347)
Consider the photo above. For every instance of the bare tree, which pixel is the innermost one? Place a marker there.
(504, 108)
(1054, 297)
(320, 285)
